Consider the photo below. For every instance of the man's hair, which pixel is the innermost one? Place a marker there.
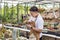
(34, 8)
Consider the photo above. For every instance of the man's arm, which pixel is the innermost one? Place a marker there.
(39, 28)
(36, 29)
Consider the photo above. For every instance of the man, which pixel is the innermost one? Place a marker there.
(35, 16)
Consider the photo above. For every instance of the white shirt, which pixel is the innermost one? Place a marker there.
(38, 23)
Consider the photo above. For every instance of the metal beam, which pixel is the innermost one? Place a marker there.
(0, 0)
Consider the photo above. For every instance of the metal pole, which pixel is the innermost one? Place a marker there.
(59, 10)
(39, 5)
(53, 10)
(14, 36)
(27, 8)
(17, 12)
(12, 13)
(4, 9)
(0, 5)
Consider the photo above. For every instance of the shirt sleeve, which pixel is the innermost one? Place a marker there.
(40, 23)
(31, 19)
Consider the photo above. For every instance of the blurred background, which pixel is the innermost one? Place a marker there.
(14, 11)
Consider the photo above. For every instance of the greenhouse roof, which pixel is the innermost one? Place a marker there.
(31, 1)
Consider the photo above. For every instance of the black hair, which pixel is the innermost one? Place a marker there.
(34, 8)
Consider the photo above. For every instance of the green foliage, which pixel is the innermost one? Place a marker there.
(13, 13)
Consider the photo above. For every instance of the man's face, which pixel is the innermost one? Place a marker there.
(34, 14)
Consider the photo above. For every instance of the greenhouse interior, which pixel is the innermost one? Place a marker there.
(15, 13)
